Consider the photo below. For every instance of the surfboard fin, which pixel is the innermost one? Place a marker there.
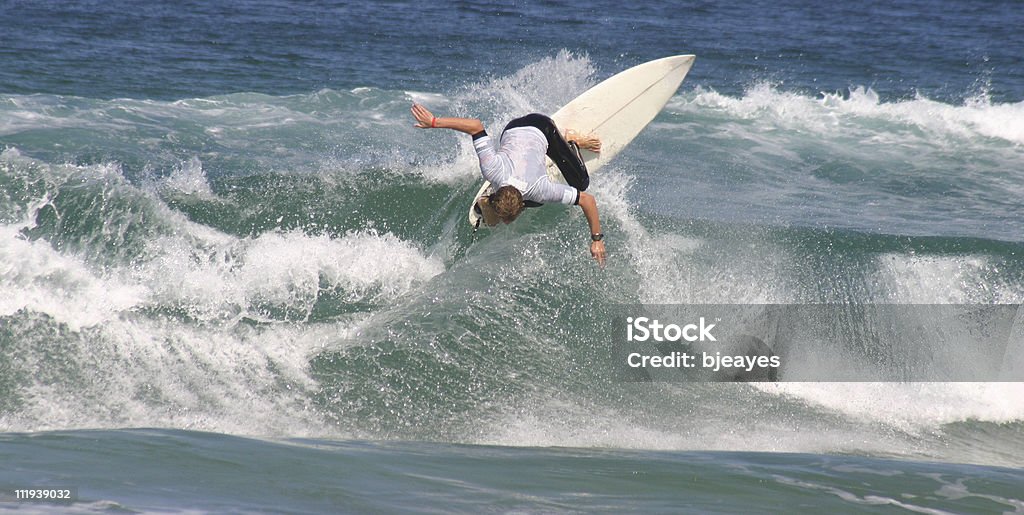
(480, 216)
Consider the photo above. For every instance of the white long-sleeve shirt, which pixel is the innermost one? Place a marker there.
(520, 161)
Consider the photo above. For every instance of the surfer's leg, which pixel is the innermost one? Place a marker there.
(567, 156)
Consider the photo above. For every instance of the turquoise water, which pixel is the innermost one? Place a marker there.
(233, 277)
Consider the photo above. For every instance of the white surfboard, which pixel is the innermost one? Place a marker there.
(615, 110)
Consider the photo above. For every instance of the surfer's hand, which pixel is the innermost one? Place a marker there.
(597, 251)
(424, 118)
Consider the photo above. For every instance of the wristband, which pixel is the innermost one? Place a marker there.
(433, 123)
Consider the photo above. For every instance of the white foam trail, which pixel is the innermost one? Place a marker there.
(194, 268)
(144, 372)
(189, 178)
(912, 406)
(889, 419)
(286, 270)
(313, 133)
(882, 419)
(978, 117)
(674, 268)
(131, 367)
(35, 277)
(681, 424)
(942, 280)
(434, 100)
(540, 87)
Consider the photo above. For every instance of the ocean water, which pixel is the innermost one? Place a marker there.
(234, 278)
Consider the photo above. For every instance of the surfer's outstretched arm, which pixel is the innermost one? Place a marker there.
(426, 120)
(589, 205)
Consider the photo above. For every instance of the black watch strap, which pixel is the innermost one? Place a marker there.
(597, 236)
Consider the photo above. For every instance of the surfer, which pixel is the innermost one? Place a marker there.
(518, 170)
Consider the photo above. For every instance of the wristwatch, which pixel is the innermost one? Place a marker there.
(597, 236)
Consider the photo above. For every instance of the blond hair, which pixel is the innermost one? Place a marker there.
(507, 202)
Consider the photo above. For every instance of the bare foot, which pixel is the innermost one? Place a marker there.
(588, 142)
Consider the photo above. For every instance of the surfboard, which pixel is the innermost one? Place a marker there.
(616, 110)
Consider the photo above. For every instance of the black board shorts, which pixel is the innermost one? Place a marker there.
(564, 154)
